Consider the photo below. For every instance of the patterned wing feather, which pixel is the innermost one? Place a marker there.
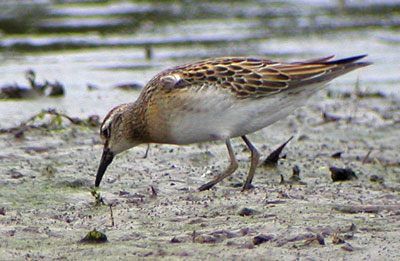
(252, 78)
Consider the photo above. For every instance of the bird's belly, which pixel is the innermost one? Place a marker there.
(260, 113)
(201, 119)
(198, 127)
(218, 115)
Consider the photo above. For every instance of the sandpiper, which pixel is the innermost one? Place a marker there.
(216, 99)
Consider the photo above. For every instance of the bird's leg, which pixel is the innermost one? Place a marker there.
(232, 167)
(255, 156)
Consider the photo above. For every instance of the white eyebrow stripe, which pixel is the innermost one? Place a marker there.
(107, 123)
(111, 116)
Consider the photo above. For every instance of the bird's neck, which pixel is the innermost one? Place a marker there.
(138, 125)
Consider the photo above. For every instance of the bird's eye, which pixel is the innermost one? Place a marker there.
(106, 133)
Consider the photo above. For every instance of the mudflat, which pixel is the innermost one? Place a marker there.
(151, 207)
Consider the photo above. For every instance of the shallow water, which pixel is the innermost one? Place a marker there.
(104, 44)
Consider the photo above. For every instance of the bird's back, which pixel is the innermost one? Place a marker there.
(233, 96)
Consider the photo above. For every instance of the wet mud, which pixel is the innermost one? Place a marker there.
(151, 207)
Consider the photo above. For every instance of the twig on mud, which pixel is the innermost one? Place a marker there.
(300, 237)
(318, 238)
(153, 192)
(194, 236)
(18, 131)
(366, 156)
(111, 215)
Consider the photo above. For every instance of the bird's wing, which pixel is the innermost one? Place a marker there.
(252, 78)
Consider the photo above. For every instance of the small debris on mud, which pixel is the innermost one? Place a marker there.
(215, 237)
(224, 234)
(77, 183)
(273, 202)
(273, 158)
(153, 192)
(111, 215)
(294, 179)
(376, 178)
(15, 174)
(320, 239)
(16, 92)
(55, 121)
(94, 237)
(148, 254)
(238, 185)
(315, 238)
(341, 174)
(148, 51)
(348, 236)
(93, 121)
(352, 209)
(98, 200)
(54, 89)
(258, 240)
(330, 118)
(337, 155)
(366, 94)
(309, 238)
(247, 212)
(193, 235)
(336, 239)
(303, 137)
(133, 86)
(37, 149)
(92, 87)
(206, 239)
(34, 90)
(49, 170)
(353, 227)
(175, 240)
(349, 248)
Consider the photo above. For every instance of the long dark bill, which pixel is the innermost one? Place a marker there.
(106, 159)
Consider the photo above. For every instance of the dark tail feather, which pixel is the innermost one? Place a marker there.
(341, 67)
(351, 60)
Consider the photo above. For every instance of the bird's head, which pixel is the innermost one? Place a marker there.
(120, 131)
